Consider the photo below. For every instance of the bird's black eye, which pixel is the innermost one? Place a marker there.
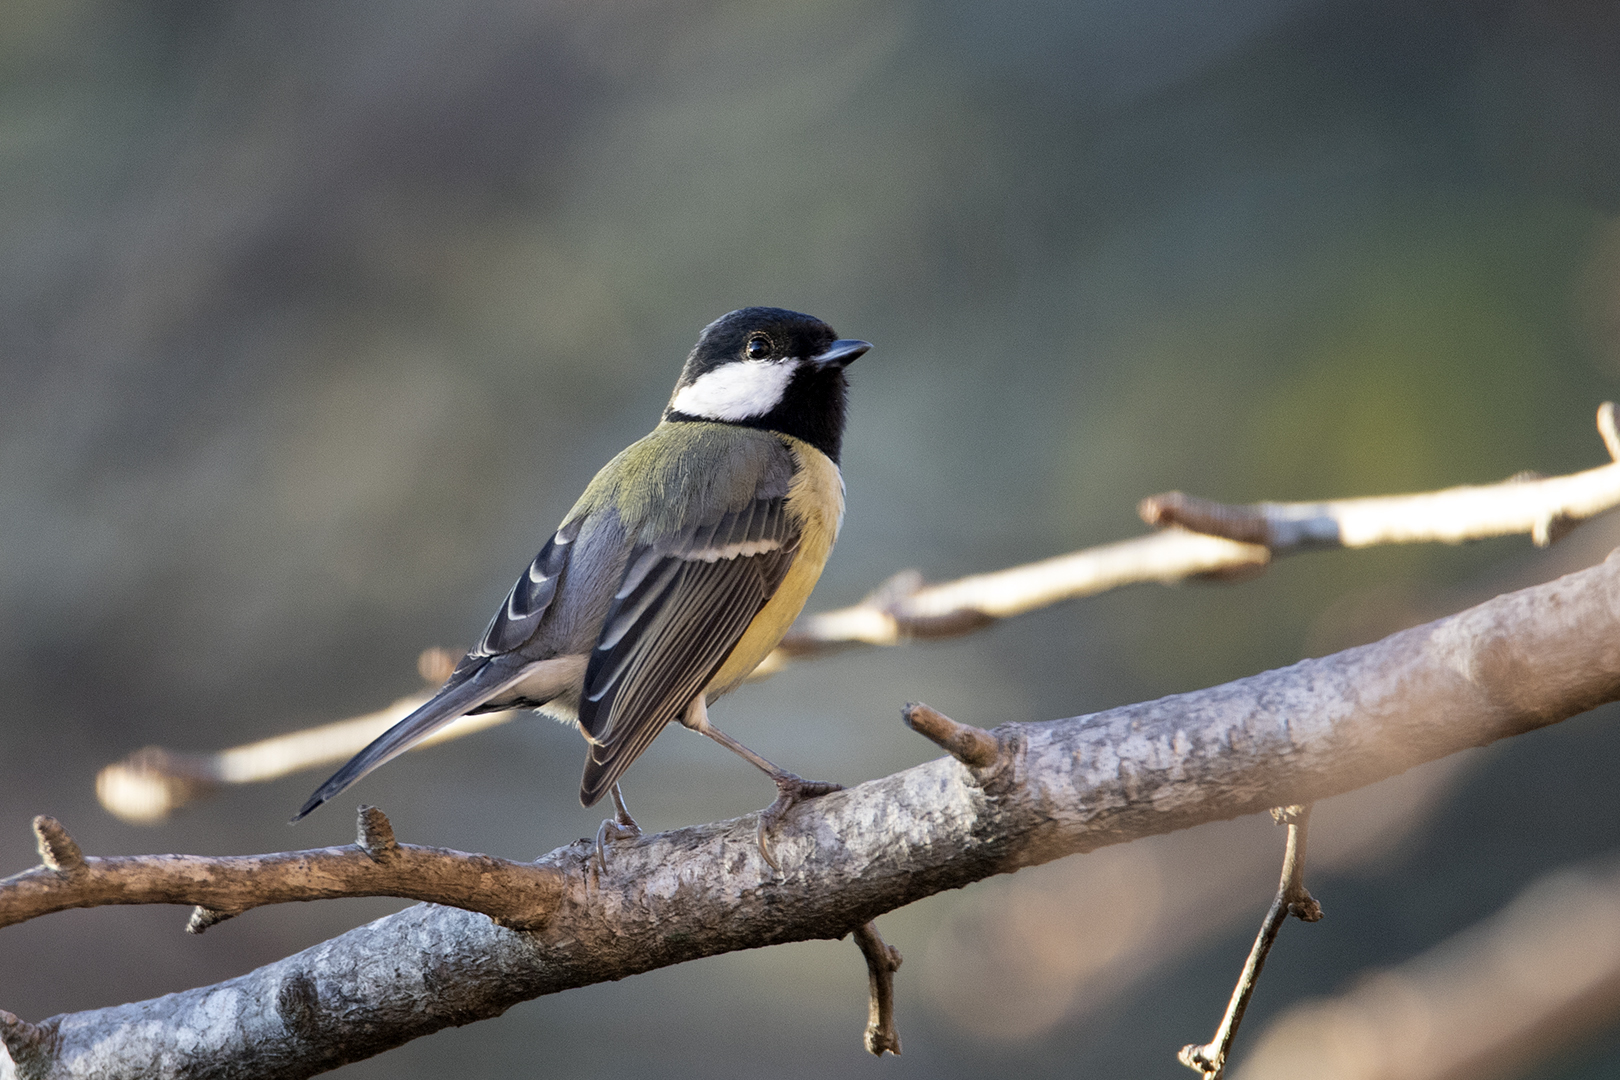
(758, 348)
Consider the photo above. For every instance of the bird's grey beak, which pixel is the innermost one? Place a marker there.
(841, 352)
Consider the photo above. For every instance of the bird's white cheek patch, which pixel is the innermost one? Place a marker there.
(735, 391)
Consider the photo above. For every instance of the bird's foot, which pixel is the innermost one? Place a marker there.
(612, 832)
(621, 826)
(791, 790)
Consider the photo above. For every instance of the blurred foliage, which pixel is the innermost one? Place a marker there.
(316, 316)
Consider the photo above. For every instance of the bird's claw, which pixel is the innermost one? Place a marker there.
(791, 790)
(613, 830)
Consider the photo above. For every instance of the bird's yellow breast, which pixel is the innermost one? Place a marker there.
(816, 501)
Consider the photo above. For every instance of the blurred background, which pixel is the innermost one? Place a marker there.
(315, 318)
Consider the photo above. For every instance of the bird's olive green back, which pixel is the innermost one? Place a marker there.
(687, 473)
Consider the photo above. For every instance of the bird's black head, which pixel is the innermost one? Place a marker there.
(768, 368)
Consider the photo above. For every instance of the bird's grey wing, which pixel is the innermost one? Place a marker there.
(491, 668)
(519, 617)
(681, 608)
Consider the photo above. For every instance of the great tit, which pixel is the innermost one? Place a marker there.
(677, 571)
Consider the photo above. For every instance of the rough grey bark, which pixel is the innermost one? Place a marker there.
(1318, 728)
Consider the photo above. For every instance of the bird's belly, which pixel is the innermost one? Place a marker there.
(551, 686)
(816, 498)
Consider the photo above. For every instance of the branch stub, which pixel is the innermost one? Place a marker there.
(57, 850)
(973, 747)
(376, 836)
(204, 917)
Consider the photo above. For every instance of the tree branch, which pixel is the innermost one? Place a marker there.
(514, 894)
(1298, 734)
(151, 783)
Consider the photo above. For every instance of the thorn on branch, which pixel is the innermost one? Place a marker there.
(882, 961)
(973, 747)
(376, 837)
(1293, 899)
(57, 849)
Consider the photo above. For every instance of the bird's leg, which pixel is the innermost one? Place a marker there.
(621, 826)
(791, 789)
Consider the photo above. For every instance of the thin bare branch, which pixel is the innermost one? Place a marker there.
(1295, 735)
(153, 782)
(1209, 1058)
(905, 609)
(1534, 979)
(513, 894)
(1544, 507)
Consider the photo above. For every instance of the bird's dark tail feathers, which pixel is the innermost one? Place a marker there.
(449, 704)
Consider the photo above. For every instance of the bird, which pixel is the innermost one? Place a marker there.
(676, 572)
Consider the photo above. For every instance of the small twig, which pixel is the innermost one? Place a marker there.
(973, 747)
(518, 895)
(882, 961)
(1292, 899)
(1525, 984)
